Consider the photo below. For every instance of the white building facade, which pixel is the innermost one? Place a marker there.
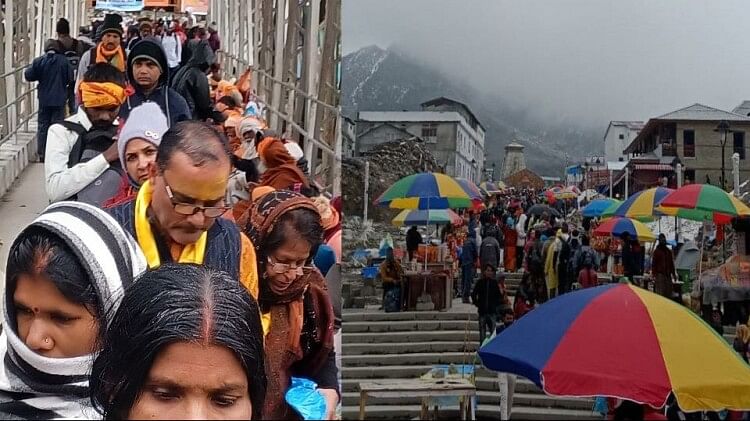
(618, 136)
(453, 135)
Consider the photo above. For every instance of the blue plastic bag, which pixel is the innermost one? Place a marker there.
(304, 397)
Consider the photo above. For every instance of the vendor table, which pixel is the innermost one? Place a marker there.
(425, 389)
(438, 285)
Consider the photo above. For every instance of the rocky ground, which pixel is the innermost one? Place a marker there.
(389, 162)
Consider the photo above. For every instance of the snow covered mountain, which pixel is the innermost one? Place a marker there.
(374, 79)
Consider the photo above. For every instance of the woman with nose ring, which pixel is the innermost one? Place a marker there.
(65, 277)
(296, 311)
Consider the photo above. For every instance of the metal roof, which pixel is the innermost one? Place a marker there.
(695, 112)
(632, 125)
(702, 112)
(742, 109)
(444, 100)
(409, 116)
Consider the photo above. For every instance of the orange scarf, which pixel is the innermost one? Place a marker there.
(115, 58)
(281, 172)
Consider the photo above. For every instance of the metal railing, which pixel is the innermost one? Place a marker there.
(16, 114)
(333, 148)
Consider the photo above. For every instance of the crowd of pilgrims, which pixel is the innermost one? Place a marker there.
(521, 231)
(188, 265)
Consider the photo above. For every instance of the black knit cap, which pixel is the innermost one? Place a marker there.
(63, 27)
(112, 23)
(149, 48)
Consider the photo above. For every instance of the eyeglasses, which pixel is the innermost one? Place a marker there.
(284, 268)
(188, 209)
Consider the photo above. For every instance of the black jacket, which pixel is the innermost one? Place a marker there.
(191, 81)
(486, 296)
(413, 239)
(171, 103)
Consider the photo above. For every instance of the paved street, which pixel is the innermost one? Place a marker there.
(20, 206)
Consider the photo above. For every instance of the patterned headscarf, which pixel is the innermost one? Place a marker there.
(285, 340)
(269, 208)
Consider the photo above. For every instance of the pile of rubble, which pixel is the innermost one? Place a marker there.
(388, 163)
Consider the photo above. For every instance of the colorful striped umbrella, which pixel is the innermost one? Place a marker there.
(616, 226)
(641, 205)
(409, 217)
(596, 207)
(561, 192)
(470, 188)
(492, 187)
(622, 341)
(426, 191)
(706, 199)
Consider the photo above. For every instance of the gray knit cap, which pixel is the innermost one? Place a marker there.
(146, 121)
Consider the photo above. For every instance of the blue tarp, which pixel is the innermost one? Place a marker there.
(120, 5)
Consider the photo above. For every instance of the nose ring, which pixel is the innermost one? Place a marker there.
(46, 340)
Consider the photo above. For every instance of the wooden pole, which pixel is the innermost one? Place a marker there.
(278, 62)
(367, 188)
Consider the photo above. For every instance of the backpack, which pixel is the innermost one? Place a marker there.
(72, 56)
(88, 145)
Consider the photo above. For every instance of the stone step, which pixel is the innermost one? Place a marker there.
(407, 348)
(380, 316)
(380, 412)
(409, 326)
(406, 337)
(484, 398)
(433, 358)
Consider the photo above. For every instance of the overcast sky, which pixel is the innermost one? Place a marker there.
(590, 60)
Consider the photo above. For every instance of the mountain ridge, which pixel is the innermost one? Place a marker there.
(377, 79)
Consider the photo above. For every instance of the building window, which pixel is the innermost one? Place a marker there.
(689, 177)
(739, 144)
(622, 136)
(429, 133)
(688, 141)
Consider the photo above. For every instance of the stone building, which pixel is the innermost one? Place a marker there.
(513, 161)
(688, 136)
(449, 128)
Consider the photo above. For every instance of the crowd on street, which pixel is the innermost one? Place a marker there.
(525, 233)
(188, 265)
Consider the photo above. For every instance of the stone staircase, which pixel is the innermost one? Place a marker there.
(406, 345)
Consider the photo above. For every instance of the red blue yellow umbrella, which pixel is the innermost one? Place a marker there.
(492, 187)
(409, 217)
(643, 205)
(617, 226)
(597, 207)
(622, 341)
(704, 200)
(470, 188)
(426, 191)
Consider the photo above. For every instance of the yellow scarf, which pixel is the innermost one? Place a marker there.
(191, 253)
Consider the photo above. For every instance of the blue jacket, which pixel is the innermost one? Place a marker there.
(173, 104)
(54, 74)
(469, 253)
